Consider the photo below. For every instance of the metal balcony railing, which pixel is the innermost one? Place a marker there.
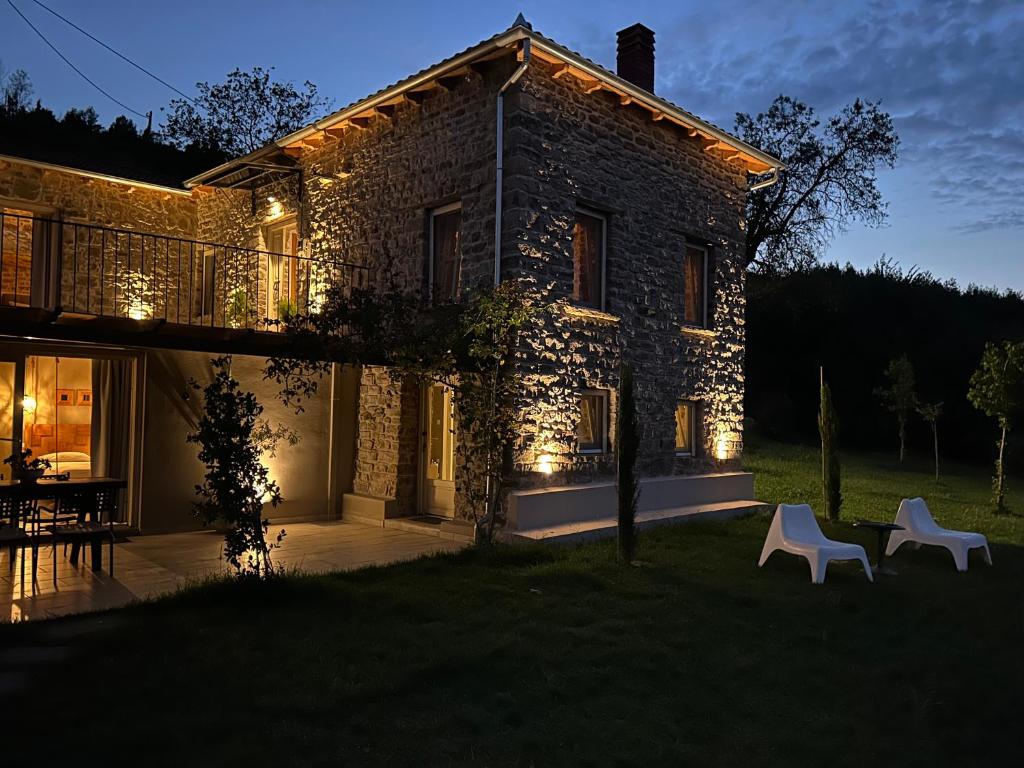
(85, 269)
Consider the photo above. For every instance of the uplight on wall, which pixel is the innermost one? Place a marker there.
(545, 464)
(727, 445)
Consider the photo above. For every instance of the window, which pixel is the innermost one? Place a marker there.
(446, 253)
(28, 249)
(695, 287)
(686, 433)
(592, 432)
(588, 248)
(207, 285)
(282, 269)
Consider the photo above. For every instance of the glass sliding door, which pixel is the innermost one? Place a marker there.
(11, 412)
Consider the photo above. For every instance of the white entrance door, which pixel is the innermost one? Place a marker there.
(438, 464)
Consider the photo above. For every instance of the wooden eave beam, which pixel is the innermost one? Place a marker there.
(417, 97)
(590, 86)
(295, 150)
(361, 122)
(564, 69)
(385, 110)
(337, 131)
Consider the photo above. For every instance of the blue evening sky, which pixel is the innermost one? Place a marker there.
(950, 72)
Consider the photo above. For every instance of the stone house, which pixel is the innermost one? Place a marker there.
(516, 159)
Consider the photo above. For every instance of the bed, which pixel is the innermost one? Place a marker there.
(75, 463)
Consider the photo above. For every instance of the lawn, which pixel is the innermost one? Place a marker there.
(556, 656)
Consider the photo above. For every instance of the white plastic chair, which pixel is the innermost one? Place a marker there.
(795, 530)
(920, 528)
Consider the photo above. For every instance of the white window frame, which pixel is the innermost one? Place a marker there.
(603, 395)
(704, 304)
(603, 287)
(283, 224)
(434, 213)
(694, 413)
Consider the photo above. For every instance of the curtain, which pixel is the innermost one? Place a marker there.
(111, 420)
(693, 309)
(447, 256)
(586, 255)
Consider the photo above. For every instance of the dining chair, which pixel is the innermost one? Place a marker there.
(84, 519)
(16, 515)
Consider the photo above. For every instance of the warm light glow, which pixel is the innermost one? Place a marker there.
(545, 464)
(28, 404)
(276, 209)
(140, 312)
(727, 445)
(722, 448)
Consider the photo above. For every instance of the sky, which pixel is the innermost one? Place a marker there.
(950, 72)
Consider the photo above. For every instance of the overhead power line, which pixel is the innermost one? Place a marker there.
(76, 69)
(115, 52)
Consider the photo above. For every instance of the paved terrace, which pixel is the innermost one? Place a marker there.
(148, 566)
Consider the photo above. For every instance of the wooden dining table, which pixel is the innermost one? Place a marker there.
(50, 489)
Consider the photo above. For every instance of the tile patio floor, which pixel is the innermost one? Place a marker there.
(147, 566)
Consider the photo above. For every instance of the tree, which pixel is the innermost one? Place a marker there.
(997, 389)
(931, 412)
(469, 347)
(829, 180)
(242, 114)
(15, 91)
(236, 484)
(627, 441)
(828, 429)
(898, 395)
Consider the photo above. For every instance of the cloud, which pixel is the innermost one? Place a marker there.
(949, 71)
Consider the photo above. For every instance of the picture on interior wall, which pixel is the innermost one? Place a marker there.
(83, 397)
(65, 397)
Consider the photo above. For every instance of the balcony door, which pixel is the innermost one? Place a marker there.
(282, 269)
(12, 378)
(437, 487)
(29, 239)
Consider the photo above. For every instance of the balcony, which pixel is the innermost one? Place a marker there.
(83, 281)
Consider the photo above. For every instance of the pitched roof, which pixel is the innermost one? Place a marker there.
(594, 75)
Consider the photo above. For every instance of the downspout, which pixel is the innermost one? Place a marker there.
(772, 179)
(498, 153)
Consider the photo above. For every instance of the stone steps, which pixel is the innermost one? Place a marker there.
(606, 527)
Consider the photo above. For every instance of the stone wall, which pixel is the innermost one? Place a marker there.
(658, 191)
(396, 170)
(101, 270)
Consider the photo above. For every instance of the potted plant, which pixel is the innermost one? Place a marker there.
(24, 469)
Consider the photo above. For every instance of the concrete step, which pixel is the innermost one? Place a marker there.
(607, 527)
(460, 531)
(584, 503)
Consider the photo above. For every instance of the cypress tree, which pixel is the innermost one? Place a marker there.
(828, 428)
(627, 441)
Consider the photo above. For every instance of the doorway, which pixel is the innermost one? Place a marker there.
(437, 496)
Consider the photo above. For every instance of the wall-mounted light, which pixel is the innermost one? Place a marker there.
(545, 464)
(28, 404)
(276, 208)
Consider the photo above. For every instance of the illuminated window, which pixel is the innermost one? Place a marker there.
(588, 250)
(446, 253)
(592, 432)
(695, 286)
(686, 433)
(282, 269)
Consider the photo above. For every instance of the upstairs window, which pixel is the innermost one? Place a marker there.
(592, 431)
(695, 286)
(588, 249)
(686, 434)
(446, 253)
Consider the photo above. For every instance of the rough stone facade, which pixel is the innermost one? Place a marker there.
(364, 197)
(658, 191)
(399, 169)
(101, 268)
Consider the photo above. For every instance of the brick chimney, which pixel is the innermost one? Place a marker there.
(635, 60)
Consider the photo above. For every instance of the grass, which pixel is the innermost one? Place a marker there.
(556, 656)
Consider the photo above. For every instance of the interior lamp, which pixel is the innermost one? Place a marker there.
(28, 404)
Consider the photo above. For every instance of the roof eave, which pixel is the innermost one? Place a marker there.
(503, 40)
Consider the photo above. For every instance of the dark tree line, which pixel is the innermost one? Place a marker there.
(854, 324)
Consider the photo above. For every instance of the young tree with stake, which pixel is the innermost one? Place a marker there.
(997, 389)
